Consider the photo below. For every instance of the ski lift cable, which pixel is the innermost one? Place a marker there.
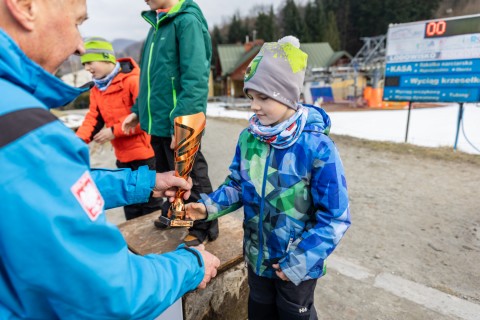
(465, 136)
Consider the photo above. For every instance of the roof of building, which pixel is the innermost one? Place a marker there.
(338, 55)
(229, 55)
(320, 55)
(246, 57)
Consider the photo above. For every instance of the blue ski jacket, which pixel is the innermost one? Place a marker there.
(59, 257)
(295, 200)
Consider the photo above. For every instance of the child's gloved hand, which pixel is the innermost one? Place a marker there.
(195, 211)
(279, 272)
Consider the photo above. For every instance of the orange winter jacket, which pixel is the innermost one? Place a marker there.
(110, 107)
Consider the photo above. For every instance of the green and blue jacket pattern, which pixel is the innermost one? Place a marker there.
(295, 200)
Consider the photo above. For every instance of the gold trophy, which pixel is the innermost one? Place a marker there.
(188, 132)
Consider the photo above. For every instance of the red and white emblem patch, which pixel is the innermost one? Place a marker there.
(88, 196)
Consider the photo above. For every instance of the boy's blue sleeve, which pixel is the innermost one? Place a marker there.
(306, 255)
(120, 187)
(60, 257)
(228, 197)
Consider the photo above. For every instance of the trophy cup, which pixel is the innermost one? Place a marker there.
(188, 132)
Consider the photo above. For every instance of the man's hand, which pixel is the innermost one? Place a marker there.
(279, 272)
(129, 124)
(105, 135)
(172, 143)
(211, 265)
(195, 211)
(166, 184)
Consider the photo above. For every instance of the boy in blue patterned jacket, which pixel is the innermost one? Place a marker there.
(288, 175)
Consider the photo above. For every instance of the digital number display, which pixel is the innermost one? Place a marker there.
(448, 28)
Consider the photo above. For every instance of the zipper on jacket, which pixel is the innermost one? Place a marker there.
(260, 218)
(148, 84)
(174, 96)
(149, 92)
(290, 241)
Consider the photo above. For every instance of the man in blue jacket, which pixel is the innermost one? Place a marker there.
(59, 257)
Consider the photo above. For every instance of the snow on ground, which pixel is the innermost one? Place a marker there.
(430, 127)
(78, 78)
(216, 109)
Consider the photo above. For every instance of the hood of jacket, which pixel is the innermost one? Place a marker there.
(317, 120)
(128, 68)
(183, 6)
(17, 68)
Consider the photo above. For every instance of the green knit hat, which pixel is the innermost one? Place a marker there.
(98, 49)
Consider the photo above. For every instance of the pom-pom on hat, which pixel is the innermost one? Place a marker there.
(278, 71)
(98, 49)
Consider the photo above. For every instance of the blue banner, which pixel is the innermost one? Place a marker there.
(447, 66)
(432, 94)
(433, 81)
(433, 60)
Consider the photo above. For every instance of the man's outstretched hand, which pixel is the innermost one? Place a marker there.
(166, 184)
(211, 265)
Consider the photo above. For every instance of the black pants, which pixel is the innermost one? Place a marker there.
(136, 210)
(164, 157)
(275, 299)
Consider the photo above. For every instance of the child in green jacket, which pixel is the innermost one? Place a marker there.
(174, 82)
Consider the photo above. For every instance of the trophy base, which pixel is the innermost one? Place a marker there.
(175, 222)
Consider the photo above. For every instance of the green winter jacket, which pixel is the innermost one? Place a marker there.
(175, 66)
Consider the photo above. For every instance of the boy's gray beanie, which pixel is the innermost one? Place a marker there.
(278, 71)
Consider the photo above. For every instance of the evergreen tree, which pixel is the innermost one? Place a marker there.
(293, 24)
(236, 31)
(343, 23)
(315, 20)
(266, 26)
(371, 18)
(274, 29)
(246, 29)
(333, 5)
(262, 27)
(217, 37)
(399, 11)
(354, 19)
(309, 23)
(332, 36)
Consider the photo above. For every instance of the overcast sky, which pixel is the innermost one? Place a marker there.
(121, 18)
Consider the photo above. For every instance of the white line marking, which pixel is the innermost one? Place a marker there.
(349, 269)
(430, 298)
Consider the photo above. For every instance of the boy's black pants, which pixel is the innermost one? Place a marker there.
(275, 299)
(164, 157)
(137, 210)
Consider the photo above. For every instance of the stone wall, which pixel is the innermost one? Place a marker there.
(226, 296)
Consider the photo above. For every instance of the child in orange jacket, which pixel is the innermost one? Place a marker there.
(116, 88)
